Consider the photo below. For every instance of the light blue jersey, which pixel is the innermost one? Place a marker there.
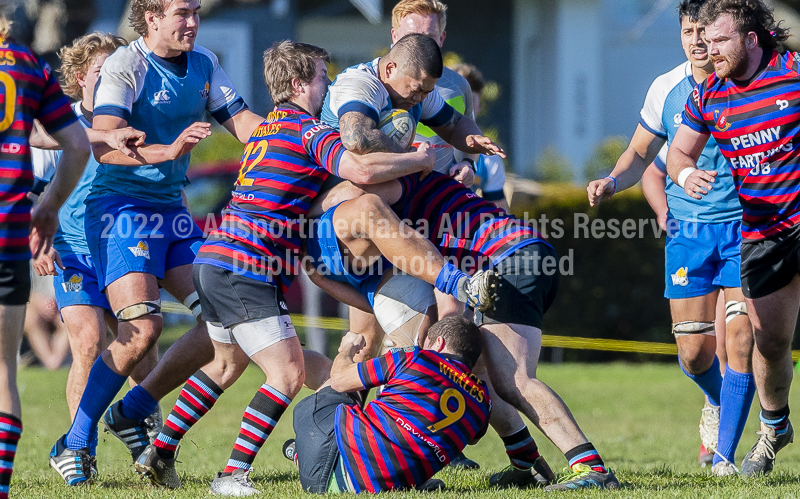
(661, 115)
(359, 89)
(161, 99)
(71, 237)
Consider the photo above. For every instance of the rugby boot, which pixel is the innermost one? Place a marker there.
(584, 477)
(761, 458)
(159, 470)
(539, 475)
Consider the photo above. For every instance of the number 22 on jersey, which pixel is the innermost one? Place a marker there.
(253, 154)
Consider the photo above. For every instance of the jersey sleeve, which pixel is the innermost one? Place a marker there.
(323, 144)
(358, 91)
(693, 113)
(223, 99)
(435, 111)
(650, 116)
(121, 81)
(44, 163)
(661, 159)
(494, 177)
(54, 110)
(378, 371)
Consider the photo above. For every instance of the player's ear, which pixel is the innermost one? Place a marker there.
(297, 86)
(394, 37)
(391, 68)
(439, 344)
(441, 38)
(751, 41)
(81, 79)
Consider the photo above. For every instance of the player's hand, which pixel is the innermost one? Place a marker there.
(45, 263)
(189, 138)
(600, 190)
(122, 138)
(699, 183)
(44, 224)
(428, 159)
(352, 343)
(462, 172)
(482, 144)
(661, 218)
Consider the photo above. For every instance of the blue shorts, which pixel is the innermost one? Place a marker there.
(130, 235)
(77, 283)
(323, 250)
(702, 257)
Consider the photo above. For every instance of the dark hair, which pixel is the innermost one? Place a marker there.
(462, 337)
(472, 74)
(748, 15)
(416, 52)
(690, 8)
(287, 60)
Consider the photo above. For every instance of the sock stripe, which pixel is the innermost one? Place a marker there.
(195, 400)
(10, 432)
(258, 421)
(275, 395)
(198, 385)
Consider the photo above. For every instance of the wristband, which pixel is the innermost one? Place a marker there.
(615, 183)
(683, 175)
(471, 165)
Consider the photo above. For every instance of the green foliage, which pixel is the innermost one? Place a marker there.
(220, 146)
(604, 157)
(552, 167)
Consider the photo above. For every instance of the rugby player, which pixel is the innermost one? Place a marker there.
(30, 91)
(756, 133)
(83, 308)
(431, 407)
(139, 233)
(490, 172)
(245, 266)
(702, 251)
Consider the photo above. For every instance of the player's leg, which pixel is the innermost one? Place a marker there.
(282, 364)
(368, 227)
(719, 332)
(15, 287)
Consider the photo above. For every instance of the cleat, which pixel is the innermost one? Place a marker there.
(583, 477)
(480, 290)
(761, 458)
(705, 458)
(289, 450)
(237, 484)
(709, 426)
(75, 466)
(132, 433)
(431, 485)
(540, 475)
(724, 468)
(160, 471)
(463, 462)
(154, 422)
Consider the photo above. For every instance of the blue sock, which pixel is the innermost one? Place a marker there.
(102, 387)
(738, 390)
(447, 280)
(710, 381)
(138, 404)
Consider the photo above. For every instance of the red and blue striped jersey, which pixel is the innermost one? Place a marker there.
(465, 227)
(755, 125)
(431, 407)
(28, 91)
(284, 165)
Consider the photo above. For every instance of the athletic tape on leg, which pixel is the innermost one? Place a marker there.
(192, 302)
(733, 309)
(693, 327)
(137, 310)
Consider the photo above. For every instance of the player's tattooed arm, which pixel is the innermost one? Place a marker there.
(463, 134)
(360, 135)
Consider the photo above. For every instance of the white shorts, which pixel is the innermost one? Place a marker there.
(253, 336)
(400, 300)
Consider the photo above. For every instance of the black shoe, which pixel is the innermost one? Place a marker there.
(431, 485)
(462, 461)
(160, 471)
(539, 475)
(75, 466)
(132, 433)
(289, 450)
(761, 458)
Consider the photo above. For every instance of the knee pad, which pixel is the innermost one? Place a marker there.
(138, 310)
(192, 302)
(685, 328)
(734, 308)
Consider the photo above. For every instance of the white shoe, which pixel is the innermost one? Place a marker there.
(724, 468)
(237, 484)
(709, 426)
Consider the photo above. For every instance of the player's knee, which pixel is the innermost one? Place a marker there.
(290, 379)
(773, 347)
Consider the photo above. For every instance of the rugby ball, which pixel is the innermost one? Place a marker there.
(399, 126)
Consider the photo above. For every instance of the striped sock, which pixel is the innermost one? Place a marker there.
(198, 396)
(10, 431)
(778, 420)
(521, 448)
(586, 454)
(260, 417)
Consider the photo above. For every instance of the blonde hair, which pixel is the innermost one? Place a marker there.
(5, 25)
(79, 56)
(141, 7)
(420, 7)
(287, 60)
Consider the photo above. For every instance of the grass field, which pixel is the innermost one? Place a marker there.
(642, 418)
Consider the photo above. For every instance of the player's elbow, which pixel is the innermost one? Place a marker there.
(337, 384)
(356, 143)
